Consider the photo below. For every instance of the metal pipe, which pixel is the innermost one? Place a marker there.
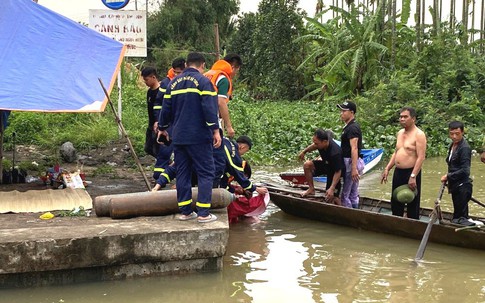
(158, 203)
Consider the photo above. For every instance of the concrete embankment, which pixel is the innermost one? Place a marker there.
(35, 252)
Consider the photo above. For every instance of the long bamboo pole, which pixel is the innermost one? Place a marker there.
(125, 134)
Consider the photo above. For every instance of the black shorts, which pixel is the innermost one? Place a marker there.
(322, 169)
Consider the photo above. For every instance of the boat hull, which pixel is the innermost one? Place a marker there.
(375, 215)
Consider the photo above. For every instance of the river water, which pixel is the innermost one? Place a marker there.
(289, 259)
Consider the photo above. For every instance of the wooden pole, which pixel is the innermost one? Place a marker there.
(216, 33)
(435, 215)
(125, 134)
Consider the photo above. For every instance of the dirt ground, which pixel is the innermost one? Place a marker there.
(108, 170)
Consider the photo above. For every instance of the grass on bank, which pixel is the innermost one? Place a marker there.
(280, 129)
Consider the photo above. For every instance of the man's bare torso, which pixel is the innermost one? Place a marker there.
(406, 154)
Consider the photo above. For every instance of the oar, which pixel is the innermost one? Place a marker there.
(478, 202)
(434, 216)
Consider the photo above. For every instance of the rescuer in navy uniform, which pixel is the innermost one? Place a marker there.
(166, 150)
(190, 107)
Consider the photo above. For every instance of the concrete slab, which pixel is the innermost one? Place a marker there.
(35, 252)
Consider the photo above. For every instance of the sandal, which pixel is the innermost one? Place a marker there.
(191, 216)
(211, 218)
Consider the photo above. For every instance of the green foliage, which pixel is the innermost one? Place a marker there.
(270, 48)
(183, 25)
(85, 131)
(104, 170)
(346, 52)
(75, 212)
(280, 129)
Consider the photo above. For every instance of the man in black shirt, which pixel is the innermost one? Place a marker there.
(154, 104)
(330, 164)
(351, 143)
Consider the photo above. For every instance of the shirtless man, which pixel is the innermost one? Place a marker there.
(408, 159)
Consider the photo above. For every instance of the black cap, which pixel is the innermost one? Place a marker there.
(348, 105)
(245, 139)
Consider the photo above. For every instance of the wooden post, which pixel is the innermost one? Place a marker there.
(125, 134)
(216, 33)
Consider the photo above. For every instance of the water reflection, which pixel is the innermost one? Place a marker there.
(288, 259)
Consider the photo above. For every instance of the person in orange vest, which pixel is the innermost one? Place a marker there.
(221, 75)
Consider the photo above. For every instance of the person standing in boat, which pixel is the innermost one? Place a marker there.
(351, 143)
(458, 176)
(330, 164)
(408, 158)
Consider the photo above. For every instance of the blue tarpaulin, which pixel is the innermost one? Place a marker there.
(49, 63)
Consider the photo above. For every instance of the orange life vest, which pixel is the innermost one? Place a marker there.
(171, 73)
(221, 67)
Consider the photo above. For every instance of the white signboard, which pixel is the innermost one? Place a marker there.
(128, 27)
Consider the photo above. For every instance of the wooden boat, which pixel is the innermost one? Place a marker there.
(375, 215)
(370, 156)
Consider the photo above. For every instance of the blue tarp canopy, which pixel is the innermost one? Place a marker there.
(49, 63)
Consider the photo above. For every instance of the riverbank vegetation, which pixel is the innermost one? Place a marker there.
(297, 68)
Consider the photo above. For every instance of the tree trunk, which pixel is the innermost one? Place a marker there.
(423, 15)
(464, 38)
(452, 15)
(441, 10)
(393, 50)
(417, 19)
(482, 25)
(436, 18)
(472, 38)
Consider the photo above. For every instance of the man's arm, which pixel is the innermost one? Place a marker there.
(392, 161)
(308, 149)
(224, 112)
(421, 155)
(330, 194)
(354, 154)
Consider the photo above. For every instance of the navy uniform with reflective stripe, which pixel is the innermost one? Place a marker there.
(233, 166)
(164, 151)
(190, 107)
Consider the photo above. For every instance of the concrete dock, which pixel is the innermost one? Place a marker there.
(63, 250)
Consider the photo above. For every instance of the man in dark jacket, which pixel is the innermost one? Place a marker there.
(458, 176)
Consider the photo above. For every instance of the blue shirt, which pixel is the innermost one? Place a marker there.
(190, 107)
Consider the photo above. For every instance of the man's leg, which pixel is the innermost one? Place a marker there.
(308, 169)
(461, 196)
(203, 163)
(184, 171)
(354, 193)
(398, 179)
(347, 187)
(163, 160)
(414, 207)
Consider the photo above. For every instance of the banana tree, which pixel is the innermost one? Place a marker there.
(346, 52)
